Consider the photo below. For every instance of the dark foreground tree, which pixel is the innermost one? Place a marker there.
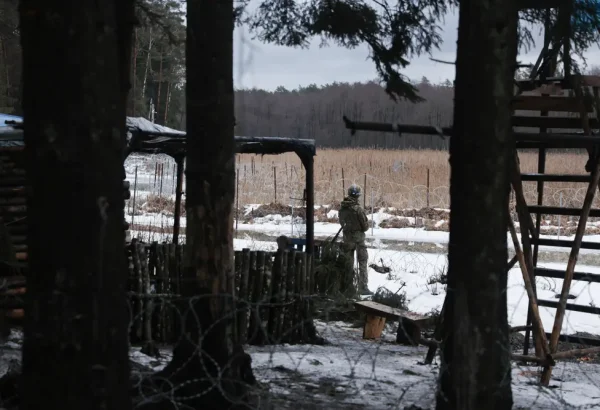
(75, 83)
(207, 369)
(475, 372)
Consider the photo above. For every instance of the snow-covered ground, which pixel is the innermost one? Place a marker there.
(382, 374)
(356, 373)
(415, 269)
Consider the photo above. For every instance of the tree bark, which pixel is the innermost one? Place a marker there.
(220, 369)
(75, 351)
(476, 369)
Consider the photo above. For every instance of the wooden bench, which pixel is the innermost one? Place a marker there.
(409, 329)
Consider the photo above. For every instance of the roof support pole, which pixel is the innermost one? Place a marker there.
(309, 162)
(178, 194)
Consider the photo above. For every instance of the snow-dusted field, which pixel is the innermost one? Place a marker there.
(359, 374)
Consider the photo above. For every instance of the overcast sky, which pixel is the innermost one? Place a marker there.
(267, 66)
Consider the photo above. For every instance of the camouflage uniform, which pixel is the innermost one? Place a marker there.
(354, 225)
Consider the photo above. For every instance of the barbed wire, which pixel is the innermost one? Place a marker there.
(349, 371)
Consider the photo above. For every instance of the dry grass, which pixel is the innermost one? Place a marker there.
(393, 178)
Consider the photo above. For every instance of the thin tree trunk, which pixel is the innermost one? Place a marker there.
(159, 85)
(168, 102)
(6, 71)
(210, 175)
(75, 351)
(134, 73)
(148, 60)
(476, 372)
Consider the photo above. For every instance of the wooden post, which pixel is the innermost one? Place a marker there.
(138, 288)
(302, 293)
(160, 170)
(162, 276)
(281, 297)
(288, 320)
(256, 331)
(527, 228)
(134, 195)
(343, 185)
(148, 305)
(427, 187)
(297, 308)
(275, 182)
(237, 199)
(168, 289)
(365, 193)
(178, 194)
(242, 297)
(274, 297)
(373, 327)
(533, 305)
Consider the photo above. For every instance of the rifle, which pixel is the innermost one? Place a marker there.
(336, 235)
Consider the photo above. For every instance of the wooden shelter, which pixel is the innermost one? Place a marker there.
(143, 137)
(155, 266)
(172, 143)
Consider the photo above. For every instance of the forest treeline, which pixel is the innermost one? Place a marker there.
(315, 112)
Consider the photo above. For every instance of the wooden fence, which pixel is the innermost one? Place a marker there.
(271, 294)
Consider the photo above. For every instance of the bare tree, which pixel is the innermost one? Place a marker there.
(75, 83)
(476, 370)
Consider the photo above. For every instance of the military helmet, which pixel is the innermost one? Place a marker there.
(354, 191)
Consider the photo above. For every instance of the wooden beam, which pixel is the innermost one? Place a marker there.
(550, 103)
(570, 123)
(538, 326)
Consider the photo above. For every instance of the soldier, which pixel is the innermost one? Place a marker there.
(354, 225)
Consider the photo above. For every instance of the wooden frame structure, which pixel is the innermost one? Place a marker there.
(161, 140)
(172, 143)
(576, 96)
(542, 140)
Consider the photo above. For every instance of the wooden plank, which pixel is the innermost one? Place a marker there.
(564, 243)
(557, 210)
(560, 274)
(161, 288)
(573, 307)
(256, 333)
(148, 305)
(242, 298)
(281, 296)
(297, 316)
(549, 103)
(288, 310)
(570, 123)
(563, 83)
(275, 291)
(168, 288)
(556, 178)
(379, 309)
(302, 293)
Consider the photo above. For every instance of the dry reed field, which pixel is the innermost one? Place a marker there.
(394, 178)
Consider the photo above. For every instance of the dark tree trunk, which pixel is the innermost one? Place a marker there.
(475, 371)
(75, 83)
(210, 193)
